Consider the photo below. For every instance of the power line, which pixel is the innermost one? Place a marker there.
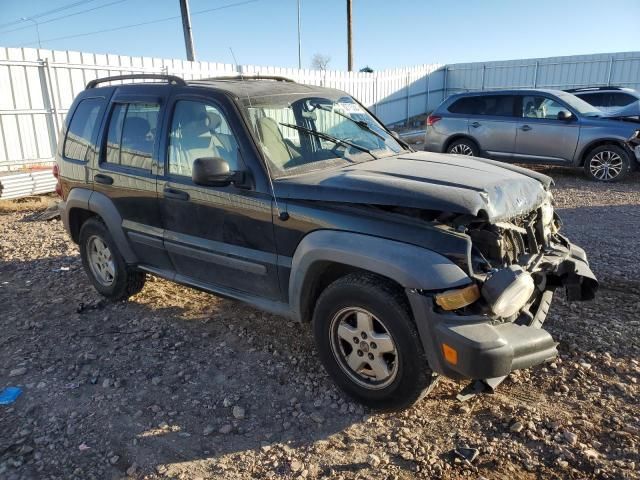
(48, 12)
(150, 22)
(64, 16)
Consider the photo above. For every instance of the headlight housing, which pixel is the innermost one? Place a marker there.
(508, 290)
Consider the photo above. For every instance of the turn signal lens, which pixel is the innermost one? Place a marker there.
(450, 354)
(461, 297)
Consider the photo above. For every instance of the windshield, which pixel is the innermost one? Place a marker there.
(582, 107)
(298, 133)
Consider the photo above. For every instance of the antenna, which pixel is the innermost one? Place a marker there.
(281, 214)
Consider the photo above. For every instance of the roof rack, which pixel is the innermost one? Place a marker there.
(592, 89)
(277, 78)
(171, 79)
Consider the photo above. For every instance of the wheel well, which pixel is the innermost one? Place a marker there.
(323, 274)
(600, 143)
(77, 217)
(459, 137)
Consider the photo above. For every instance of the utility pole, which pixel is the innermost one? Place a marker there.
(186, 28)
(349, 37)
(37, 28)
(299, 40)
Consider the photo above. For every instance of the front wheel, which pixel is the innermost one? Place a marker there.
(608, 163)
(369, 344)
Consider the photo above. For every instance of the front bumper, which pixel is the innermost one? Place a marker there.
(486, 347)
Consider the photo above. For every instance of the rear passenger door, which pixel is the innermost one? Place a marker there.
(219, 237)
(492, 123)
(126, 172)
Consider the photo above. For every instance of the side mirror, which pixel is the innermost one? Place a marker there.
(395, 135)
(565, 116)
(212, 172)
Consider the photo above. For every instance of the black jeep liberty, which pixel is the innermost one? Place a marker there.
(297, 200)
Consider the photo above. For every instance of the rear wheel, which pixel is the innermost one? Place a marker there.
(463, 146)
(369, 344)
(608, 163)
(104, 265)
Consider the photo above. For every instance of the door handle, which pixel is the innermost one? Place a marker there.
(525, 128)
(175, 194)
(475, 124)
(104, 179)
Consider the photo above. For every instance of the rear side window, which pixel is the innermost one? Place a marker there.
(131, 135)
(82, 130)
(495, 105)
(466, 106)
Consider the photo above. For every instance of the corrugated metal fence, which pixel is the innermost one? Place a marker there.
(38, 86)
(620, 69)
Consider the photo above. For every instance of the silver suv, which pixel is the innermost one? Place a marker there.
(536, 126)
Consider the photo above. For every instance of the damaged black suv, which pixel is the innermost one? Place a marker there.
(297, 200)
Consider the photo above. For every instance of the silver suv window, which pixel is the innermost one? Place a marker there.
(496, 105)
(534, 106)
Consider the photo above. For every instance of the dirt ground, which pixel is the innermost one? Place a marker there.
(180, 384)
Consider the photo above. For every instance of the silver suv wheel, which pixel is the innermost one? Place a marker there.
(605, 165)
(364, 348)
(461, 149)
(101, 261)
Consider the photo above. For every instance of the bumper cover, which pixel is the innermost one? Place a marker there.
(489, 348)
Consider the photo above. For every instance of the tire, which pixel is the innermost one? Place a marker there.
(107, 270)
(338, 316)
(607, 163)
(463, 146)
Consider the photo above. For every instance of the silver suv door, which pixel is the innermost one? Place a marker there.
(491, 122)
(541, 136)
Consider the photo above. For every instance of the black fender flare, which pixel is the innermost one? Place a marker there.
(102, 206)
(412, 267)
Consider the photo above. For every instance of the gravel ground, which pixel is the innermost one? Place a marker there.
(180, 384)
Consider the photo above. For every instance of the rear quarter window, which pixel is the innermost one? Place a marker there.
(494, 105)
(81, 134)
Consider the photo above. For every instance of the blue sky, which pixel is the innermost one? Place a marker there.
(387, 33)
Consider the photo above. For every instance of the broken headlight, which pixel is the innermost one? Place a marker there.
(508, 290)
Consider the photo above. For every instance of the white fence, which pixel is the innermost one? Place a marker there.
(38, 86)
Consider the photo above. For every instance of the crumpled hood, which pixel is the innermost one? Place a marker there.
(434, 181)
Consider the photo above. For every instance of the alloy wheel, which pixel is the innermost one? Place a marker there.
(605, 165)
(462, 149)
(101, 261)
(364, 348)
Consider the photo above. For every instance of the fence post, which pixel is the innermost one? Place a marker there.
(375, 94)
(535, 75)
(484, 71)
(49, 105)
(444, 83)
(426, 101)
(407, 97)
(610, 71)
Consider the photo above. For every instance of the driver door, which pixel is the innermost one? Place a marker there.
(540, 136)
(218, 237)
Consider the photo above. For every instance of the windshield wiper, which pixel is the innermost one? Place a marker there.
(360, 123)
(328, 137)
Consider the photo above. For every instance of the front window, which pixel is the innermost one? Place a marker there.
(298, 133)
(541, 107)
(579, 105)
